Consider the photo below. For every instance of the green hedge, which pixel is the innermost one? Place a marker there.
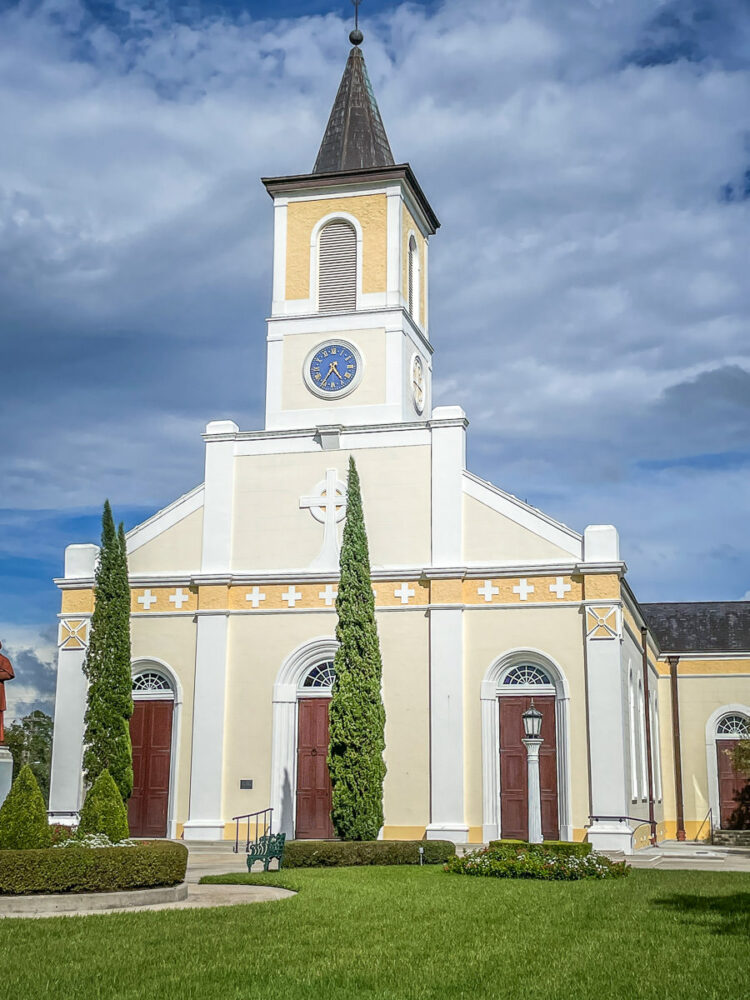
(562, 848)
(339, 854)
(105, 869)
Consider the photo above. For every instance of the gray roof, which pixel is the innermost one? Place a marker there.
(701, 627)
(355, 137)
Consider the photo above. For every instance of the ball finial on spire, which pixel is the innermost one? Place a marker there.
(356, 37)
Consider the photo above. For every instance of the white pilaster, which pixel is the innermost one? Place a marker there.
(206, 820)
(534, 790)
(219, 496)
(6, 772)
(447, 820)
(67, 746)
(490, 763)
(393, 293)
(280, 212)
(448, 426)
(607, 742)
(283, 758)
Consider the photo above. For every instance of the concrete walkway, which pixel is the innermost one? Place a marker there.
(681, 856)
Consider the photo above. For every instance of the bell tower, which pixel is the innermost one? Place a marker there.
(348, 335)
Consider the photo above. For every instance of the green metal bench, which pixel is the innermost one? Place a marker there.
(265, 849)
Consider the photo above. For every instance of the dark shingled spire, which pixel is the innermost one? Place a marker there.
(355, 137)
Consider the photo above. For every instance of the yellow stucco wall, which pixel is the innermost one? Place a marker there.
(699, 698)
(487, 637)
(273, 533)
(173, 641)
(371, 390)
(257, 648)
(371, 213)
(178, 549)
(489, 535)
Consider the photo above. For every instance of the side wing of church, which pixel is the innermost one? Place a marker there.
(483, 602)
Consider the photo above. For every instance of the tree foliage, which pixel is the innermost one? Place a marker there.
(30, 742)
(741, 757)
(107, 666)
(104, 811)
(23, 815)
(356, 713)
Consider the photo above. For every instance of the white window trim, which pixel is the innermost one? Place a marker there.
(143, 664)
(711, 765)
(416, 274)
(491, 690)
(632, 727)
(642, 754)
(286, 696)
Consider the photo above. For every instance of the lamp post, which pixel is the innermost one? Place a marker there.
(532, 727)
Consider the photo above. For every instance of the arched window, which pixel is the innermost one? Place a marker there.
(733, 726)
(337, 267)
(151, 682)
(321, 676)
(633, 750)
(655, 748)
(413, 280)
(527, 673)
(642, 741)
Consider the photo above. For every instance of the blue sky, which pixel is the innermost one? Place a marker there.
(590, 305)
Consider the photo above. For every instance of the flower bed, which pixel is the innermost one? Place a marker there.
(537, 863)
(337, 854)
(77, 868)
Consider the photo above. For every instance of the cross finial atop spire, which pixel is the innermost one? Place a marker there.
(356, 36)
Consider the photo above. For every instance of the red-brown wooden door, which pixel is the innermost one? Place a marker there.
(514, 809)
(734, 790)
(151, 736)
(313, 781)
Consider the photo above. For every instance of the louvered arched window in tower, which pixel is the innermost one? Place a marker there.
(337, 267)
(413, 280)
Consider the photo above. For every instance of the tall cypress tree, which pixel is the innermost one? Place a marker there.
(356, 713)
(107, 666)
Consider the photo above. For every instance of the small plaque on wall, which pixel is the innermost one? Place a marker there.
(246, 783)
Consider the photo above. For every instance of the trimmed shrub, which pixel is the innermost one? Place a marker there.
(104, 811)
(23, 815)
(562, 848)
(81, 869)
(339, 854)
(537, 864)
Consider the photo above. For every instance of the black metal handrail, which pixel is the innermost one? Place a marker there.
(710, 817)
(263, 825)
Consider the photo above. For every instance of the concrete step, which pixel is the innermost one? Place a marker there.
(732, 838)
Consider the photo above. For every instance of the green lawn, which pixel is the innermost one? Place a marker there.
(405, 933)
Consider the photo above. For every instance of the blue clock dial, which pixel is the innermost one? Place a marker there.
(333, 368)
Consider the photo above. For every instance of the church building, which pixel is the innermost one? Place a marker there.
(483, 602)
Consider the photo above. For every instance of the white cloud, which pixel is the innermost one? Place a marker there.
(587, 272)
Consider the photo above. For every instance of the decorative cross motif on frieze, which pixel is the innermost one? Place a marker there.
(179, 598)
(404, 592)
(327, 504)
(147, 600)
(328, 595)
(560, 588)
(255, 597)
(523, 589)
(291, 596)
(488, 591)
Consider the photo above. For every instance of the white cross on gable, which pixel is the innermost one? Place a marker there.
(488, 591)
(179, 598)
(291, 596)
(255, 597)
(560, 588)
(327, 504)
(404, 592)
(147, 600)
(328, 595)
(523, 589)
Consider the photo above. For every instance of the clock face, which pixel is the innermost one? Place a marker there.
(333, 369)
(417, 383)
